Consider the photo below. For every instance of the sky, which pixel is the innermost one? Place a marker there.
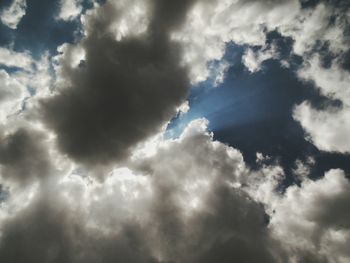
(174, 131)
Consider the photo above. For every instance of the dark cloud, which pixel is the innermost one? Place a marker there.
(234, 229)
(23, 156)
(124, 92)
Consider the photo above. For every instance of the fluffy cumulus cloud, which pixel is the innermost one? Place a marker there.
(253, 60)
(23, 81)
(322, 27)
(153, 211)
(242, 22)
(87, 173)
(11, 16)
(69, 9)
(248, 22)
(191, 199)
(158, 210)
(11, 58)
(313, 219)
(327, 128)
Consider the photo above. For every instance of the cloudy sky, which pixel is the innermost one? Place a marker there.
(190, 131)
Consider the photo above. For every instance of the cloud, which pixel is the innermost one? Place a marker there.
(12, 15)
(192, 199)
(328, 128)
(317, 31)
(125, 89)
(313, 219)
(314, 27)
(253, 60)
(12, 58)
(23, 156)
(249, 22)
(22, 67)
(12, 94)
(242, 22)
(183, 203)
(20, 89)
(69, 9)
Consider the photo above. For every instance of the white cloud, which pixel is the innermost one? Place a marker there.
(253, 60)
(183, 108)
(241, 22)
(12, 94)
(314, 25)
(328, 129)
(204, 40)
(12, 15)
(69, 9)
(21, 89)
(120, 18)
(11, 58)
(313, 220)
(332, 82)
(247, 22)
(302, 169)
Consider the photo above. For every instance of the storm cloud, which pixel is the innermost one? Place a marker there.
(124, 90)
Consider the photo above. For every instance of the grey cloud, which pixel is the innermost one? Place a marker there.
(226, 225)
(196, 210)
(47, 231)
(23, 156)
(63, 224)
(125, 91)
(312, 220)
(234, 229)
(191, 207)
